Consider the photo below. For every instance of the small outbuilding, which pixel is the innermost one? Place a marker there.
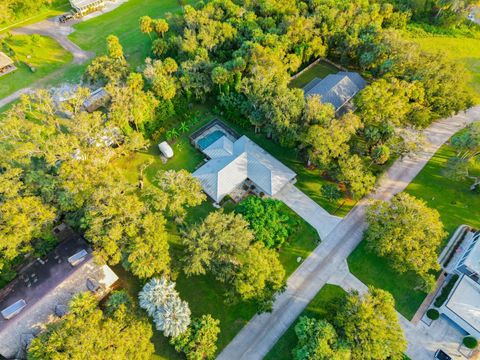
(98, 98)
(165, 149)
(6, 64)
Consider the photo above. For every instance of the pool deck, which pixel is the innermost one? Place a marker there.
(211, 127)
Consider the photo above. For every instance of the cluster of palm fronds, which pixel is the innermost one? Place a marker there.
(162, 302)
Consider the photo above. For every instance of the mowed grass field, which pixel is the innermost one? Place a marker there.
(457, 205)
(41, 52)
(323, 306)
(464, 50)
(56, 8)
(123, 22)
(203, 293)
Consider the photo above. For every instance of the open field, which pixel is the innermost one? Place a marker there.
(464, 50)
(56, 8)
(320, 70)
(41, 52)
(323, 306)
(203, 293)
(456, 204)
(124, 23)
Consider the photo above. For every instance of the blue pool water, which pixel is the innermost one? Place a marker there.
(208, 140)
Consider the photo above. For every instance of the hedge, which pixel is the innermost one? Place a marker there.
(446, 291)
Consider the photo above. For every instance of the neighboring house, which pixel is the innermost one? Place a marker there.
(336, 89)
(97, 99)
(232, 162)
(463, 303)
(6, 64)
(85, 6)
(46, 286)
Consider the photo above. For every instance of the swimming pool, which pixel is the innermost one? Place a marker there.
(208, 140)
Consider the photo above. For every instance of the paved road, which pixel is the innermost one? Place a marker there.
(261, 333)
(308, 209)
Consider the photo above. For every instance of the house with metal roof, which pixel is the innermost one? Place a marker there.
(336, 89)
(233, 162)
(44, 288)
(85, 6)
(6, 64)
(463, 304)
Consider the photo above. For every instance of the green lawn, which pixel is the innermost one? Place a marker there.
(320, 70)
(124, 23)
(464, 50)
(323, 306)
(44, 54)
(204, 293)
(56, 8)
(456, 204)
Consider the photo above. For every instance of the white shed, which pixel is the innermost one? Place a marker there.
(165, 149)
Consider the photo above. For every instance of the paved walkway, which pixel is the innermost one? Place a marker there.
(308, 209)
(255, 340)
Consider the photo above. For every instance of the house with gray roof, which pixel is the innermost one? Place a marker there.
(463, 303)
(44, 287)
(232, 162)
(336, 89)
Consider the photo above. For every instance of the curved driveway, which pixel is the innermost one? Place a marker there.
(59, 32)
(255, 340)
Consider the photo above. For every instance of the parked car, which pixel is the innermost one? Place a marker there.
(65, 18)
(442, 355)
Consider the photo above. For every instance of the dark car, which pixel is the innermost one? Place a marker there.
(65, 18)
(442, 355)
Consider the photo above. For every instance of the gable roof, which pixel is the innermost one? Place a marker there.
(231, 163)
(5, 60)
(336, 89)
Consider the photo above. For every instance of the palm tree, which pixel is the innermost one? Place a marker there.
(184, 127)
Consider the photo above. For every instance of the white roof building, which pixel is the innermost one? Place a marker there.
(463, 306)
(231, 163)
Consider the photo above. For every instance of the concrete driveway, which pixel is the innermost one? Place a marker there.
(262, 332)
(308, 209)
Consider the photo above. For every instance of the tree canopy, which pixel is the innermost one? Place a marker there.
(270, 224)
(87, 332)
(406, 231)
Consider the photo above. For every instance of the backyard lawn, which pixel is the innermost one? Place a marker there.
(464, 50)
(203, 293)
(320, 70)
(41, 52)
(323, 306)
(456, 204)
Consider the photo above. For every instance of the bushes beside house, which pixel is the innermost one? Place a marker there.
(440, 300)
(470, 342)
(433, 314)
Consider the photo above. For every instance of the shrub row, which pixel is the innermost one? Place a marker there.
(446, 291)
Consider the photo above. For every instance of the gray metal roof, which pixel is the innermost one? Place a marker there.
(336, 89)
(232, 163)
